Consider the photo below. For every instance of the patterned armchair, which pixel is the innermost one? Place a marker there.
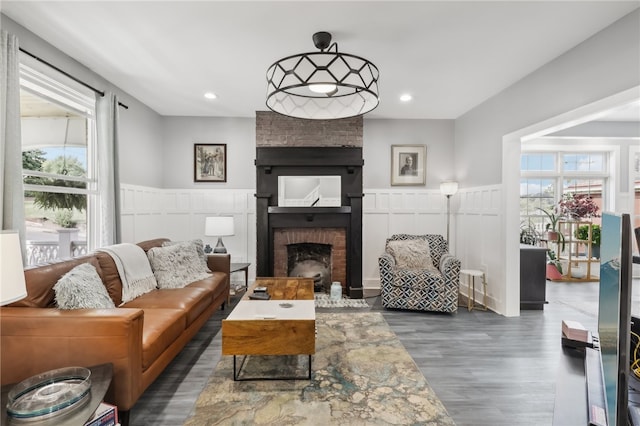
(408, 281)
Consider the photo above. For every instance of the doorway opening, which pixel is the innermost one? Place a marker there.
(512, 150)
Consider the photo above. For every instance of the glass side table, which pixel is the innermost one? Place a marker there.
(101, 376)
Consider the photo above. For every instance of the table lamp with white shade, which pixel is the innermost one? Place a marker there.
(12, 283)
(219, 226)
(448, 189)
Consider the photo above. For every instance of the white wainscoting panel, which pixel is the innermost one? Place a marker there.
(475, 230)
(479, 240)
(179, 214)
(397, 211)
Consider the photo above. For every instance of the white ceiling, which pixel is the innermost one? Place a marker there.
(450, 55)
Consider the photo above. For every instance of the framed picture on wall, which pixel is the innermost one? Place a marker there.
(408, 164)
(210, 162)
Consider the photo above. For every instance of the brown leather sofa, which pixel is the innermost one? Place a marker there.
(140, 338)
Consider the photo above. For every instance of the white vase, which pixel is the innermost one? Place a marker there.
(336, 291)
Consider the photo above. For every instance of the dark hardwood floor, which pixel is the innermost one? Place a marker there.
(486, 369)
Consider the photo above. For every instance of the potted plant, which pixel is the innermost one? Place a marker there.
(578, 206)
(553, 233)
(582, 233)
(529, 234)
(554, 267)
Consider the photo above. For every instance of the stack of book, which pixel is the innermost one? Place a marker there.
(259, 293)
(105, 415)
(574, 335)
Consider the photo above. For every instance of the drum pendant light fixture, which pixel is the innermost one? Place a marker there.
(322, 85)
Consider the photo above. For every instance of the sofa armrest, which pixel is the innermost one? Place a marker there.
(386, 264)
(219, 263)
(450, 269)
(34, 340)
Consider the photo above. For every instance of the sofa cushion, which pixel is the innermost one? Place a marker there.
(198, 245)
(82, 288)
(176, 266)
(192, 301)
(161, 328)
(411, 254)
(215, 283)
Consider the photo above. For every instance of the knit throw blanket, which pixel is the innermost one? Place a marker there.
(134, 269)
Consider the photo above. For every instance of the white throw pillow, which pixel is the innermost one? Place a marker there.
(82, 288)
(176, 266)
(411, 254)
(198, 244)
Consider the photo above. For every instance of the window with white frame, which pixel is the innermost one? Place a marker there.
(58, 161)
(547, 176)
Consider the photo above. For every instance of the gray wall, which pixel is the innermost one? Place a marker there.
(140, 127)
(140, 146)
(603, 65)
(181, 133)
(380, 134)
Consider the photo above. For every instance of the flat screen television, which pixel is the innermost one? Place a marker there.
(614, 316)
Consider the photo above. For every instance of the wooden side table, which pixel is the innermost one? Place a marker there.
(471, 275)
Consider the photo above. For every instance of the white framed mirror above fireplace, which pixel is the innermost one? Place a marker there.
(309, 191)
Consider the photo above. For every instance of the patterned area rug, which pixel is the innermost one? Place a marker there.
(323, 300)
(362, 375)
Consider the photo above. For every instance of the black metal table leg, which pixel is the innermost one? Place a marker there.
(237, 375)
(237, 371)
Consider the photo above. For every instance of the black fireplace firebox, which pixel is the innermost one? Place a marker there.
(311, 260)
(345, 162)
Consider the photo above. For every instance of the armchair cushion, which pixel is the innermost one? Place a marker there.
(419, 279)
(411, 254)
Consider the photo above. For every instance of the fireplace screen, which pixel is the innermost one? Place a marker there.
(310, 260)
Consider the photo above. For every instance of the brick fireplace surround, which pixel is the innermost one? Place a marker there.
(335, 237)
(288, 146)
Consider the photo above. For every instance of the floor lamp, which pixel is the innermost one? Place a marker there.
(448, 189)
